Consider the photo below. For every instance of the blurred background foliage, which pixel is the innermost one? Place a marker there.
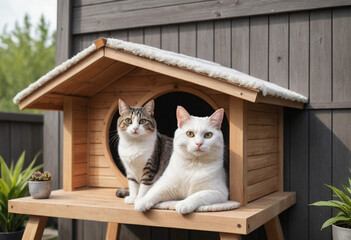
(26, 54)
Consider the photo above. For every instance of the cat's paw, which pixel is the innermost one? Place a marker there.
(184, 207)
(142, 206)
(129, 200)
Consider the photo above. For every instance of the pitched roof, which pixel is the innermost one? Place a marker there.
(199, 66)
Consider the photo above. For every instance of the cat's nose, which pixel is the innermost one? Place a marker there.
(135, 129)
(199, 144)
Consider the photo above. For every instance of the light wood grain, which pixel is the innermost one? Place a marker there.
(68, 144)
(238, 151)
(101, 204)
(112, 231)
(274, 230)
(35, 227)
(262, 188)
(229, 236)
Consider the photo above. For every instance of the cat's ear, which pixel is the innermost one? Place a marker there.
(182, 116)
(217, 117)
(123, 107)
(149, 107)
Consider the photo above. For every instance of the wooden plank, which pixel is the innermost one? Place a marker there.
(100, 171)
(68, 149)
(341, 20)
(260, 161)
(183, 74)
(35, 227)
(80, 168)
(112, 231)
(100, 204)
(259, 47)
(169, 38)
(88, 61)
(96, 149)
(320, 154)
(103, 181)
(329, 105)
(97, 161)
(262, 174)
(205, 40)
(187, 39)
(21, 117)
(80, 153)
(136, 35)
(262, 118)
(80, 137)
(262, 188)
(152, 36)
(79, 181)
(281, 150)
(241, 44)
(238, 150)
(279, 101)
(298, 173)
(262, 131)
(5, 140)
(299, 49)
(279, 50)
(341, 146)
(262, 146)
(222, 42)
(320, 59)
(121, 15)
(274, 229)
(228, 236)
(261, 107)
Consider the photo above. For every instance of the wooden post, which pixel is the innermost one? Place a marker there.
(281, 150)
(237, 146)
(35, 227)
(229, 236)
(274, 230)
(68, 144)
(112, 231)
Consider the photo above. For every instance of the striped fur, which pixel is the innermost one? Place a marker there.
(144, 152)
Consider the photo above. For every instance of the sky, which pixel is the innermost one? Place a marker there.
(14, 10)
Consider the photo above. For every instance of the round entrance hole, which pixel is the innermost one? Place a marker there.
(165, 115)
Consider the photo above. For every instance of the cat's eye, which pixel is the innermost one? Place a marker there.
(142, 121)
(128, 121)
(190, 134)
(208, 135)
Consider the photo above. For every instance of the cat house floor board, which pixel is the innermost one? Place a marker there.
(100, 204)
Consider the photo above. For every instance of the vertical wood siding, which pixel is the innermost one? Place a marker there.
(21, 132)
(308, 52)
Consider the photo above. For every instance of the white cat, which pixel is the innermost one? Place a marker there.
(195, 174)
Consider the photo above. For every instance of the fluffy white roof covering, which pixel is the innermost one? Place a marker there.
(208, 68)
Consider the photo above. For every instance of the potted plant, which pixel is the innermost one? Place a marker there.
(13, 184)
(40, 185)
(341, 223)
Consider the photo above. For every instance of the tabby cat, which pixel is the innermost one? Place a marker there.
(144, 152)
(195, 174)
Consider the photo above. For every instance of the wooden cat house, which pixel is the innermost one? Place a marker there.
(87, 88)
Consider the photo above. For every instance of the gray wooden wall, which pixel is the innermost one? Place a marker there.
(305, 51)
(18, 133)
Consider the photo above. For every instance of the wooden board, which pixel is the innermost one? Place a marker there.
(121, 15)
(100, 204)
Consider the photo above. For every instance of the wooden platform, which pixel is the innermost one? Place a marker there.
(100, 204)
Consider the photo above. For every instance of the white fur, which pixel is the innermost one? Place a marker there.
(195, 175)
(208, 68)
(134, 150)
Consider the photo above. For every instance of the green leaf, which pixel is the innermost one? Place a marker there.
(334, 220)
(5, 172)
(341, 195)
(18, 167)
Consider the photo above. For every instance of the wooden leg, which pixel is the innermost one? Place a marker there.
(112, 231)
(229, 236)
(35, 228)
(274, 230)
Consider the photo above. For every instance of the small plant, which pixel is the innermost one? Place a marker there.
(13, 184)
(39, 176)
(343, 205)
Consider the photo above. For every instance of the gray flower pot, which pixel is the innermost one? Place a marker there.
(340, 233)
(12, 235)
(40, 189)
